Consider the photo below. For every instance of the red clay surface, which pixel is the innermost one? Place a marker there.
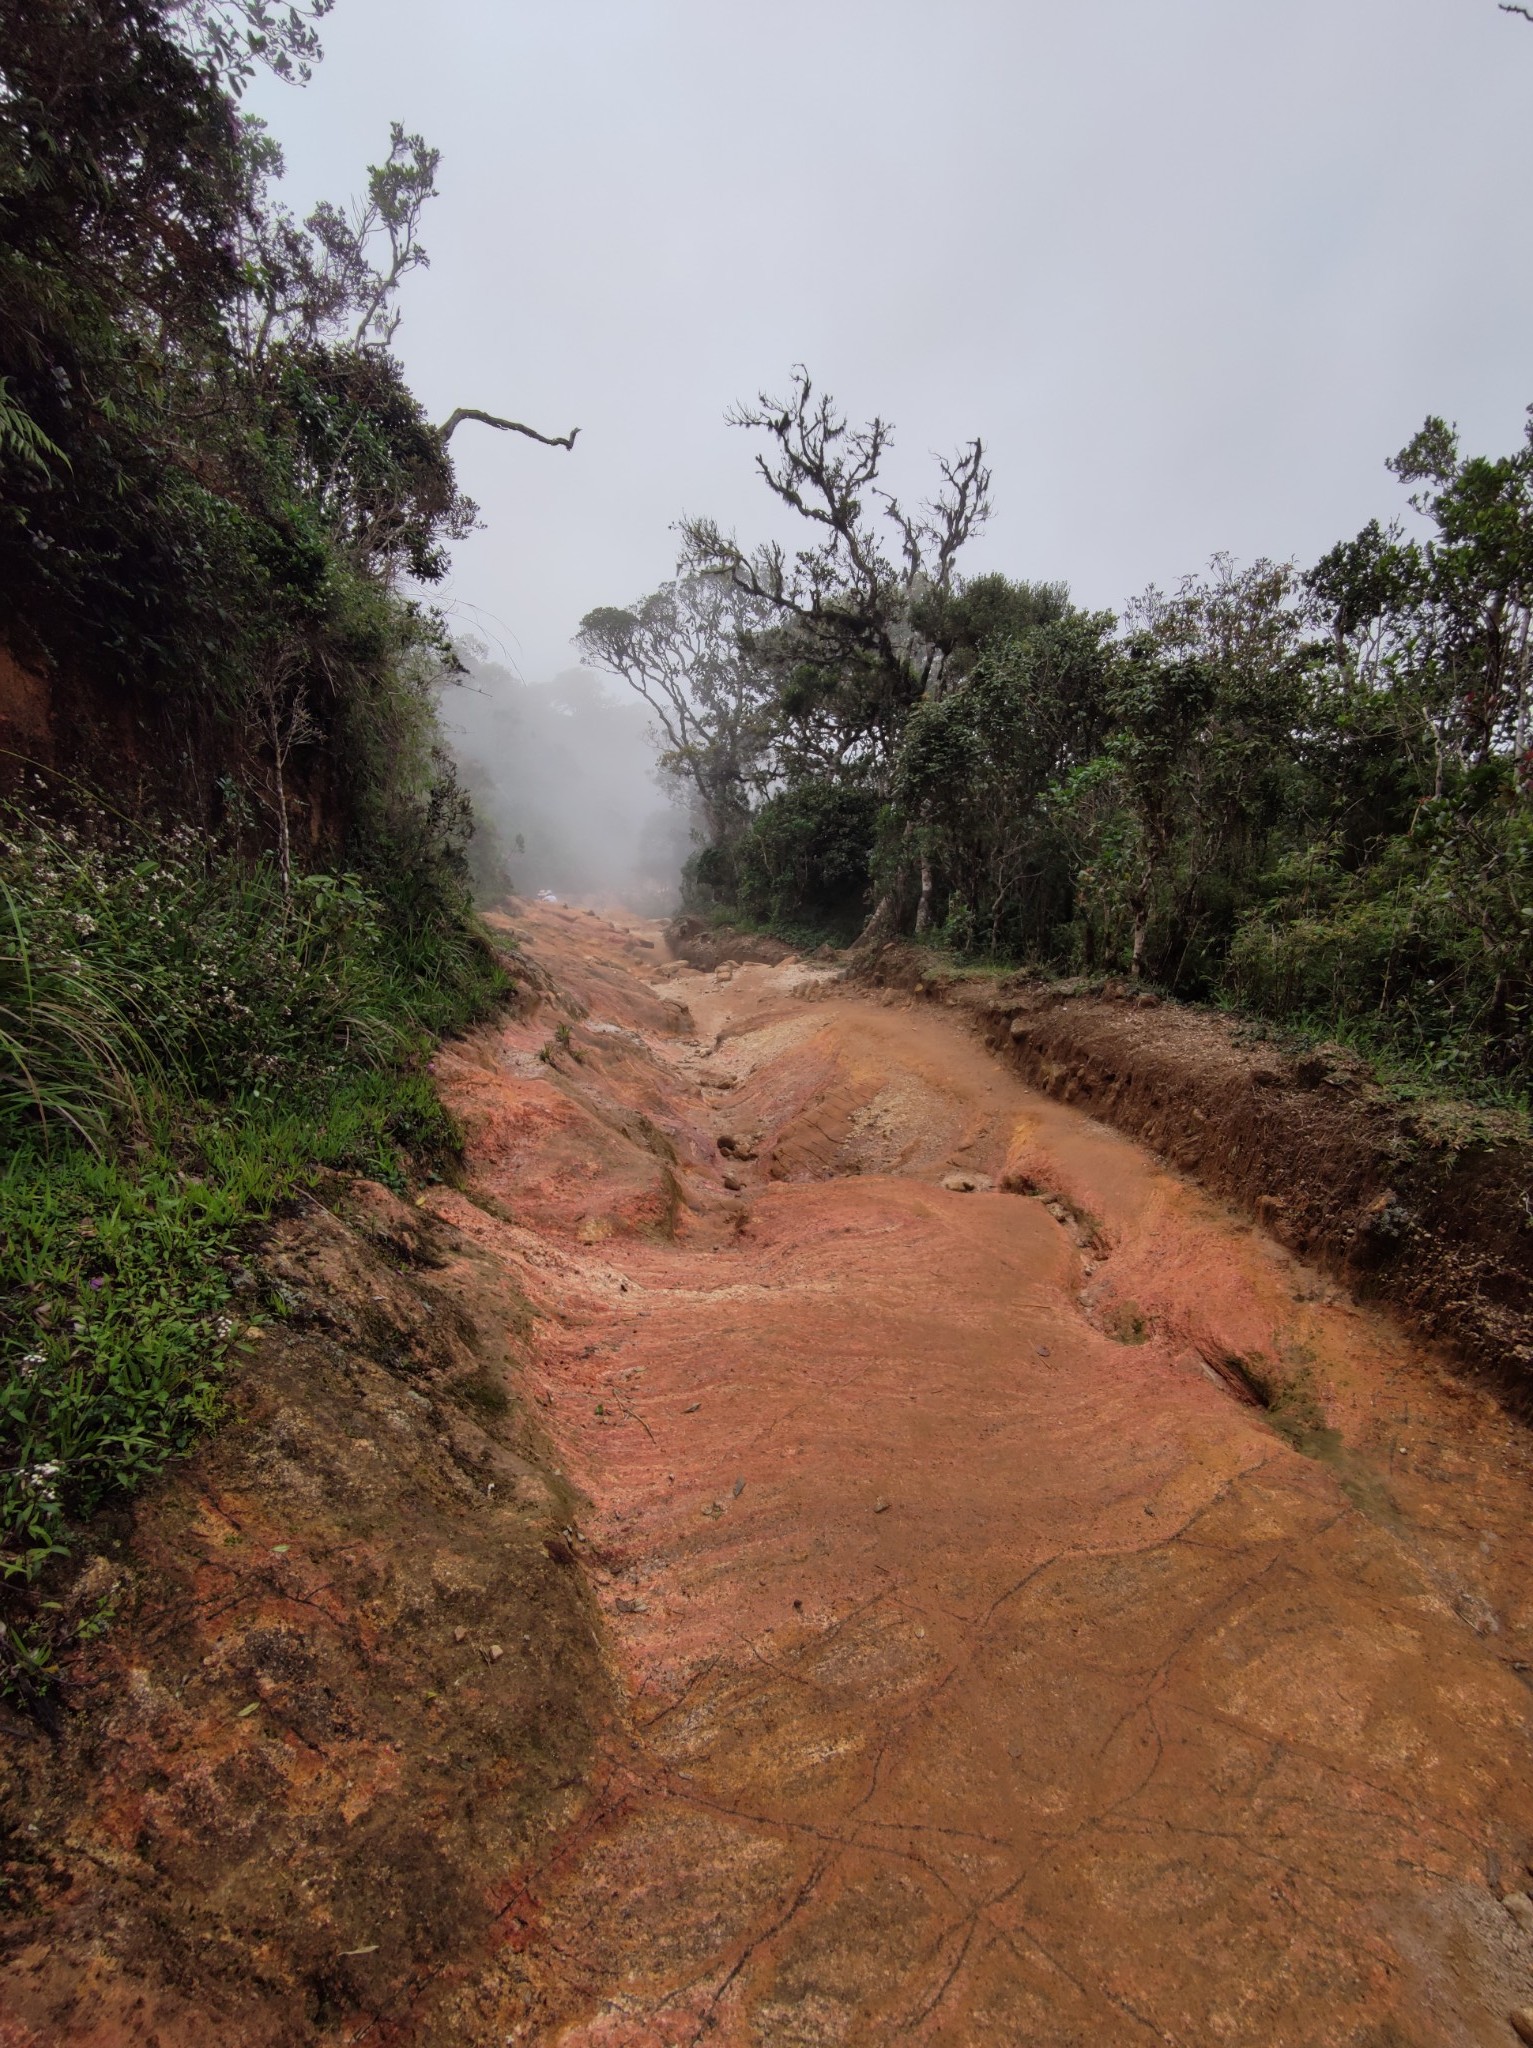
(996, 1674)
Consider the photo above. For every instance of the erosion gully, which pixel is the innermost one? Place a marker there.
(997, 1668)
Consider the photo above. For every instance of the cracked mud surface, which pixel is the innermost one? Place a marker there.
(997, 1669)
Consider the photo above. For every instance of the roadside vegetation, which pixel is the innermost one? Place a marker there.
(234, 906)
(1303, 792)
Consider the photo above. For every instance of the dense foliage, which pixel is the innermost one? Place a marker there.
(225, 952)
(184, 1043)
(1309, 793)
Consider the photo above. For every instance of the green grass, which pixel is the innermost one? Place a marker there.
(183, 1048)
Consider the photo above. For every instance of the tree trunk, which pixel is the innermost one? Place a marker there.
(924, 907)
(1141, 926)
(284, 843)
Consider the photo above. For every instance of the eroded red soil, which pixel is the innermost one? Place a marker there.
(997, 1672)
(852, 1608)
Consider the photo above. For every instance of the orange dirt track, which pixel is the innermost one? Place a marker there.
(996, 1671)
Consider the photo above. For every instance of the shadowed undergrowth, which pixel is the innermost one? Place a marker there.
(184, 1047)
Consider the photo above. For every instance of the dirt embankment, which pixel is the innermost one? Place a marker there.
(353, 1677)
(707, 946)
(947, 1650)
(1426, 1207)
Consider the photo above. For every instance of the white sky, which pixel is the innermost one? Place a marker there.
(1192, 267)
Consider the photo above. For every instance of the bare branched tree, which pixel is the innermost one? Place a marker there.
(335, 278)
(689, 651)
(280, 721)
(845, 605)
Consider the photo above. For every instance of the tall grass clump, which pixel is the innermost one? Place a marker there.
(184, 1044)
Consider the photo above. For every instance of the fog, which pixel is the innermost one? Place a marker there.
(1193, 268)
(566, 790)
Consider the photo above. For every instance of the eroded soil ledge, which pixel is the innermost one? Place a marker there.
(1427, 1207)
(353, 1678)
(814, 1544)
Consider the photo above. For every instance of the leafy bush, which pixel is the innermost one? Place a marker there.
(808, 854)
(183, 1045)
(1426, 951)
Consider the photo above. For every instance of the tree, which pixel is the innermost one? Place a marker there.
(335, 278)
(689, 650)
(846, 644)
(973, 778)
(1172, 821)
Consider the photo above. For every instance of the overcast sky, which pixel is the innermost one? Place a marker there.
(1193, 268)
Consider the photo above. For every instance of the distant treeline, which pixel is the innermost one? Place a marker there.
(1310, 792)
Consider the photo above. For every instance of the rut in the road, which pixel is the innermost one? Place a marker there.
(995, 1675)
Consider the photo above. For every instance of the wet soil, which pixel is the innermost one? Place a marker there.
(1049, 1616)
(1413, 1199)
(353, 1675)
(1035, 1606)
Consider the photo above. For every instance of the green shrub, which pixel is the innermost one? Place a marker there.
(807, 856)
(183, 1046)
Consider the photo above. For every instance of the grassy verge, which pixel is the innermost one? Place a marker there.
(184, 1046)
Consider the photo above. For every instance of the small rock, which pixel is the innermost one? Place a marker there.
(733, 1182)
(496, 1653)
(967, 1183)
(1522, 2023)
(739, 1488)
(460, 1635)
(1043, 1350)
(1520, 1906)
(1021, 1027)
(714, 1508)
(691, 1407)
(631, 1607)
(734, 1145)
(880, 1507)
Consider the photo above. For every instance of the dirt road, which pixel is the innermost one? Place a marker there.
(999, 1669)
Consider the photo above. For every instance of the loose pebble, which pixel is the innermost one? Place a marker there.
(691, 1407)
(496, 1653)
(739, 1488)
(1520, 1906)
(1522, 2023)
(880, 1507)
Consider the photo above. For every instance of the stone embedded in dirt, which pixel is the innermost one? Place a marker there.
(1043, 1350)
(714, 1508)
(1022, 1027)
(733, 1182)
(735, 1145)
(1520, 1906)
(738, 1488)
(460, 1635)
(880, 1507)
(1522, 2023)
(968, 1183)
(632, 1607)
(691, 1407)
(495, 1653)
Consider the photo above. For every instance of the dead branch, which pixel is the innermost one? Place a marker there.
(488, 419)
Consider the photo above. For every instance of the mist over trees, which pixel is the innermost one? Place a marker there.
(566, 792)
(1305, 789)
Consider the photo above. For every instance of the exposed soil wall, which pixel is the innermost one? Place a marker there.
(1426, 1207)
(68, 733)
(353, 1677)
(706, 946)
